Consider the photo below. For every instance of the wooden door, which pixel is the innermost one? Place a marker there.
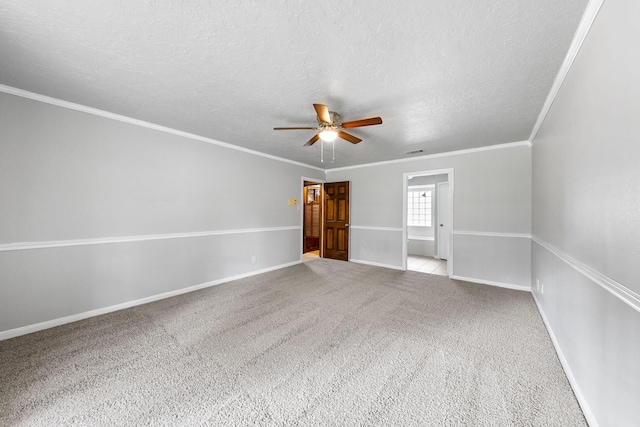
(336, 220)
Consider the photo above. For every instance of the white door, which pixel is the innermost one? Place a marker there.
(443, 226)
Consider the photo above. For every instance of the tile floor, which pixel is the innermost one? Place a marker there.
(426, 264)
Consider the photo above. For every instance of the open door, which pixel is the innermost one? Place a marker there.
(444, 228)
(311, 217)
(336, 220)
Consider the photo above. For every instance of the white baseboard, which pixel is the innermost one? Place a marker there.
(377, 264)
(586, 410)
(492, 283)
(12, 333)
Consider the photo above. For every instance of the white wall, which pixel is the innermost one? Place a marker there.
(492, 211)
(420, 246)
(586, 218)
(98, 213)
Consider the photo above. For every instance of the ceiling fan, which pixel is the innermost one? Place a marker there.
(329, 127)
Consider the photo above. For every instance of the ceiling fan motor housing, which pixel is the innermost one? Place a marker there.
(335, 120)
(330, 127)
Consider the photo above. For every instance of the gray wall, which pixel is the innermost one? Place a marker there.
(111, 208)
(586, 218)
(492, 212)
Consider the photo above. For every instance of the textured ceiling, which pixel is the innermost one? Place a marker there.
(443, 75)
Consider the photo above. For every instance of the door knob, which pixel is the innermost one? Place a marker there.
(346, 225)
(441, 225)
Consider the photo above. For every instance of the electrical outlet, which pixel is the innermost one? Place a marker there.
(254, 259)
(541, 288)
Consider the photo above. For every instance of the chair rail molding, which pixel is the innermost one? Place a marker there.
(617, 289)
(22, 246)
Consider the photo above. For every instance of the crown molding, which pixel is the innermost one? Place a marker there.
(106, 114)
(589, 16)
(436, 155)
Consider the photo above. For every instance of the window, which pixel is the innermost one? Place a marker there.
(419, 206)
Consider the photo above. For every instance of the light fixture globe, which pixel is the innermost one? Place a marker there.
(328, 135)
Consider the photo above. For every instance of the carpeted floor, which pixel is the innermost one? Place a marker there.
(320, 343)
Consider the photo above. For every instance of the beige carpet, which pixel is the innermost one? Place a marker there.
(322, 343)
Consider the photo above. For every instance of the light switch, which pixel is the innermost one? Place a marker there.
(293, 202)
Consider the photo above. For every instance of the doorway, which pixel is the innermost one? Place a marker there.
(312, 219)
(325, 220)
(427, 222)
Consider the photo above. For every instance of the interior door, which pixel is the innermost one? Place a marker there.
(444, 228)
(312, 217)
(336, 220)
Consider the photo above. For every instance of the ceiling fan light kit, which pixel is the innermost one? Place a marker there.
(328, 135)
(329, 128)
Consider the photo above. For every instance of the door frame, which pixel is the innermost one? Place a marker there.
(301, 203)
(438, 230)
(405, 190)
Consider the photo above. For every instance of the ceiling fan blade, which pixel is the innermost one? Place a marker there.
(298, 128)
(312, 140)
(323, 113)
(348, 137)
(363, 122)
